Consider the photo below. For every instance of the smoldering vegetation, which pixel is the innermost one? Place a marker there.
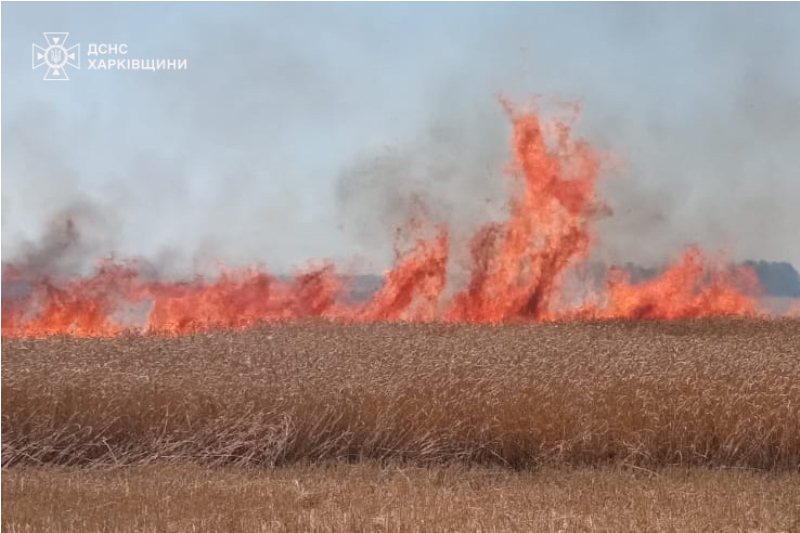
(722, 393)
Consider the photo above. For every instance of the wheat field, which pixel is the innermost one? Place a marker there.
(709, 393)
(659, 404)
(375, 498)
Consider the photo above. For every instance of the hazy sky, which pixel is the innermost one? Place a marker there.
(299, 131)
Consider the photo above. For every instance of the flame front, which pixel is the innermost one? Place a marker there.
(517, 272)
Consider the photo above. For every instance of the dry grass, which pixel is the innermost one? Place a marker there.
(710, 393)
(369, 498)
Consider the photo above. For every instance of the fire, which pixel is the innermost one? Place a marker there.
(691, 288)
(517, 272)
(518, 266)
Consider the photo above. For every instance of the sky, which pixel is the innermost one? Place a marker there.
(300, 131)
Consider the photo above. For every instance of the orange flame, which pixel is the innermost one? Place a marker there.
(518, 269)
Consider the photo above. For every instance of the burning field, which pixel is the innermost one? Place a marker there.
(532, 267)
(525, 361)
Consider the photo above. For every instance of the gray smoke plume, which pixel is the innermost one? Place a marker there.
(312, 138)
(720, 170)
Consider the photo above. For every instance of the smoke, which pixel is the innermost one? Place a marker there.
(65, 245)
(700, 117)
(317, 136)
(719, 169)
(450, 174)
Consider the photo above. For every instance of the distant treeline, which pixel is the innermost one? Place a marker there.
(778, 279)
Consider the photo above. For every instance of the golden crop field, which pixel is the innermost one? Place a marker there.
(462, 427)
(373, 498)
